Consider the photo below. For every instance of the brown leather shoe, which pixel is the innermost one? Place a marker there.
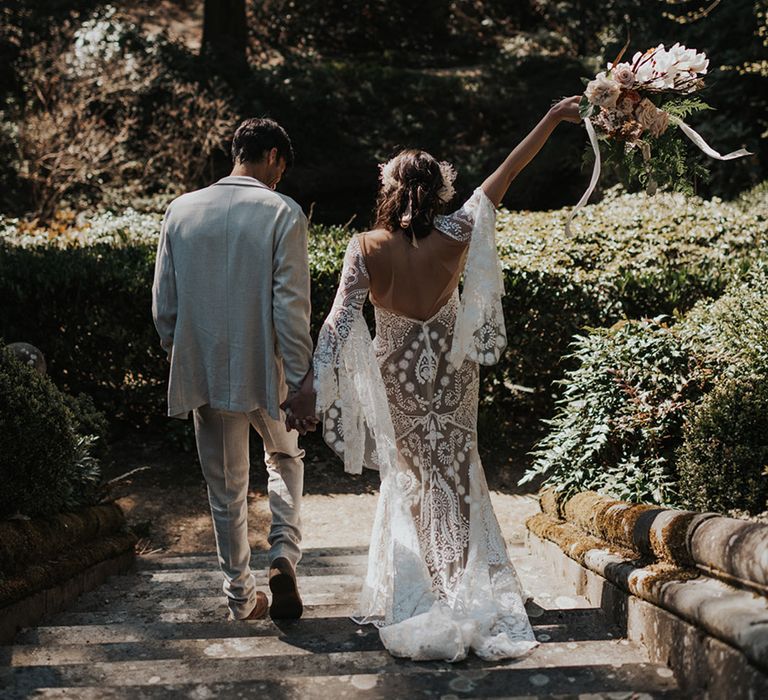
(286, 601)
(259, 610)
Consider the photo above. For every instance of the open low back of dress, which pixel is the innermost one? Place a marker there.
(410, 281)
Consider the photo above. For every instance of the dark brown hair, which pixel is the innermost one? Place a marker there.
(408, 200)
(254, 137)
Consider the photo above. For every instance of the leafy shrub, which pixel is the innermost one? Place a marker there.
(80, 289)
(620, 418)
(723, 462)
(731, 333)
(45, 466)
(89, 423)
(681, 408)
(109, 105)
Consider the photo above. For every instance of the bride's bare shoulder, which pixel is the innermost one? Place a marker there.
(375, 239)
(377, 234)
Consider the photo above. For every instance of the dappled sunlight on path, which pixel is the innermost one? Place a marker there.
(162, 632)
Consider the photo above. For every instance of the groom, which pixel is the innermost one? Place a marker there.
(230, 301)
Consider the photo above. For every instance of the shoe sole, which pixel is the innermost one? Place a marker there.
(286, 603)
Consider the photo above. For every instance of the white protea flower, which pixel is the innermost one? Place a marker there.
(689, 60)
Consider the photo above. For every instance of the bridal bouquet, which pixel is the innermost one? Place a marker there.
(635, 109)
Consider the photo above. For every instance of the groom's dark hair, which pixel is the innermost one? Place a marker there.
(254, 137)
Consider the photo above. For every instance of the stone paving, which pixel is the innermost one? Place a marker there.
(161, 632)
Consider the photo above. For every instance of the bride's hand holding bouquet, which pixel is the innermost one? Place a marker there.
(632, 107)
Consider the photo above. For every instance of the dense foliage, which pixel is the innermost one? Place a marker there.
(46, 463)
(630, 256)
(672, 414)
(80, 289)
(723, 460)
(621, 414)
(102, 102)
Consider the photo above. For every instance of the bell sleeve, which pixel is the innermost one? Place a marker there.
(479, 334)
(351, 399)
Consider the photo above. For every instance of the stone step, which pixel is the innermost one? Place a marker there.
(310, 553)
(215, 611)
(550, 625)
(551, 665)
(586, 623)
(258, 561)
(157, 584)
(287, 639)
(353, 639)
(118, 602)
(574, 684)
(136, 630)
(182, 575)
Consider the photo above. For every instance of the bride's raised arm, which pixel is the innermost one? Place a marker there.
(497, 184)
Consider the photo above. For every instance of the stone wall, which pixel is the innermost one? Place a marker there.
(691, 586)
(47, 562)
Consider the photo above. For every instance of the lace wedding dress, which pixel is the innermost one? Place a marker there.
(439, 579)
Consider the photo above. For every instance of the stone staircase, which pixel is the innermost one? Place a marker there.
(162, 632)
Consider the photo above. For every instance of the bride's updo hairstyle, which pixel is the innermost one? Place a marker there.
(415, 187)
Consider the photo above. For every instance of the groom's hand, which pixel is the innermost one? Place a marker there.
(300, 412)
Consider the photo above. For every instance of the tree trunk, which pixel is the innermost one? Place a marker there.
(225, 33)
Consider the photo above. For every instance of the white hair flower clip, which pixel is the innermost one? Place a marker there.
(446, 192)
(387, 174)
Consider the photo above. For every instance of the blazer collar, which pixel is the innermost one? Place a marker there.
(244, 180)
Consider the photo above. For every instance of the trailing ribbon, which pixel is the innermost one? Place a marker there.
(690, 133)
(703, 145)
(595, 174)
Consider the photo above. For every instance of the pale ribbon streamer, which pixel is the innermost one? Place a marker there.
(704, 146)
(690, 133)
(595, 174)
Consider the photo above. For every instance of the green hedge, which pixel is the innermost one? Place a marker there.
(723, 460)
(87, 308)
(673, 413)
(83, 294)
(630, 256)
(46, 460)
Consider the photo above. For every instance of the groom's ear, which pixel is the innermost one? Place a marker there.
(272, 156)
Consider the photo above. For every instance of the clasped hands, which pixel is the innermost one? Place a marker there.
(300, 411)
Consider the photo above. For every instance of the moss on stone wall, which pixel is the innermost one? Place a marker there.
(41, 576)
(24, 541)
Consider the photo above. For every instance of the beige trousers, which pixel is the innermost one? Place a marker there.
(222, 444)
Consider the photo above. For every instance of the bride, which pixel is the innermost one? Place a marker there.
(439, 580)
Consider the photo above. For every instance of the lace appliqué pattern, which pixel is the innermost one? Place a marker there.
(439, 580)
(480, 334)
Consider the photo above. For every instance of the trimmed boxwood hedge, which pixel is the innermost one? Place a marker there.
(82, 291)
(46, 463)
(723, 460)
